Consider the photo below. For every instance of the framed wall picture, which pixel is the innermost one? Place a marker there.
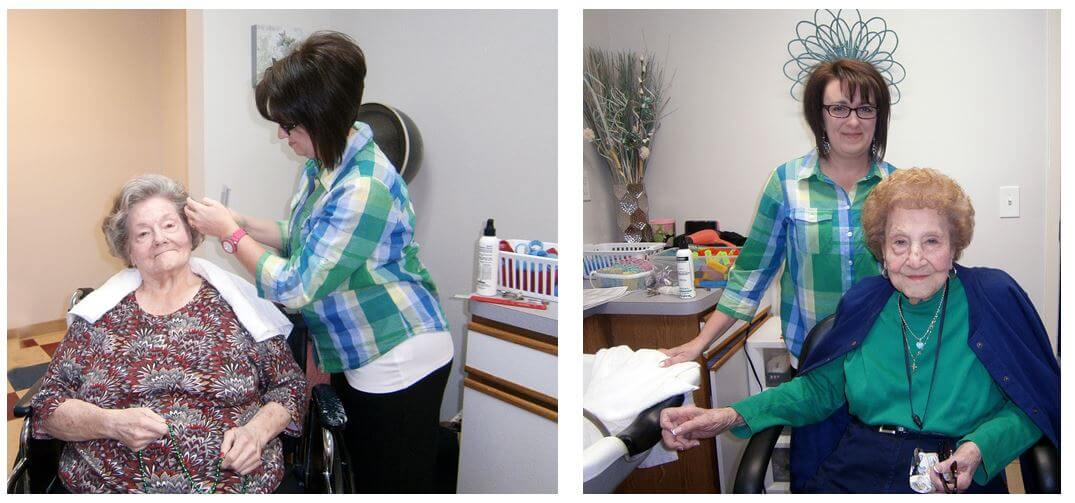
(271, 43)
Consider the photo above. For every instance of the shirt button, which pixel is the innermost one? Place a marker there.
(1034, 410)
(849, 233)
(979, 345)
(854, 343)
(850, 262)
(1005, 379)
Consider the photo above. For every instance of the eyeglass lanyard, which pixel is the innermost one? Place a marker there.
(907, 358)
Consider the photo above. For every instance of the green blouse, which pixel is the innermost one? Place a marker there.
(965, 402)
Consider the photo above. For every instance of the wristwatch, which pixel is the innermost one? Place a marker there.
(232, 243)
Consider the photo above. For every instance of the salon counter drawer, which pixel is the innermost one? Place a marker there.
(520, 357)
(508, 443)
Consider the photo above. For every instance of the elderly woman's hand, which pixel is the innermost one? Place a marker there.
(967, 458)
(681, 427)
(211, 218)
(136, 428)
(241, 449)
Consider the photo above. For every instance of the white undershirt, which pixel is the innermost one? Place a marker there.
(403, 365)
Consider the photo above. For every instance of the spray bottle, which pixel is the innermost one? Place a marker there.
(685, 270)
(488, 255)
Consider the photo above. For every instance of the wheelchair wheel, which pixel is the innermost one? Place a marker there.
(326, 466)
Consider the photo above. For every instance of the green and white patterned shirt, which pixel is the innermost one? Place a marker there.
(809, 224)
(350, 263)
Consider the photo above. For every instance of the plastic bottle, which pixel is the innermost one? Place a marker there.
(488, 255)
(685, 271)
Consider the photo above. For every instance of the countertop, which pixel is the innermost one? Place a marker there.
(661, 305)
(536, 320)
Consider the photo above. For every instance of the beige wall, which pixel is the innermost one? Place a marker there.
(94, 98)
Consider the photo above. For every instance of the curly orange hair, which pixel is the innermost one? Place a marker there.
(918, 188)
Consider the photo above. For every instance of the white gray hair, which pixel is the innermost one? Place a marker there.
(133, 192)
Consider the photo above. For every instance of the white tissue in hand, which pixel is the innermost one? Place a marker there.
(920, 480)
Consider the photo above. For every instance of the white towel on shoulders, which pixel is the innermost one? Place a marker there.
(624, 383)
(258, 316)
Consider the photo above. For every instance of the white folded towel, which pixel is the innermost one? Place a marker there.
(260, 317)
(623, 383)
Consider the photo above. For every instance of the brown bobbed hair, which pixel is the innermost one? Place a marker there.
(854, 75)
(318, 86)
(918, 188)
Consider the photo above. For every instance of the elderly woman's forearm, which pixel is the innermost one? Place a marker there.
(76, 421)
(270, 421)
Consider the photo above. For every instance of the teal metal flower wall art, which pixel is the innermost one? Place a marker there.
(830, 36)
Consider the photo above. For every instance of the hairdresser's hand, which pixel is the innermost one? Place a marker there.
(686, 352)
(682, 427)
(211, 218)
(967, 458)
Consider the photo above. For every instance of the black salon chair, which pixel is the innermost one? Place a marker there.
(318, 461)
(1040, 465)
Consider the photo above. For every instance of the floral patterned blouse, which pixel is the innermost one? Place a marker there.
(198, 368)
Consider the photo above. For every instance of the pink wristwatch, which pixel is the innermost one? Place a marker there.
(232, 243)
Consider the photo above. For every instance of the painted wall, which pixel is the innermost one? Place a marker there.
(480, 85)
(94, 99)
(980, 103)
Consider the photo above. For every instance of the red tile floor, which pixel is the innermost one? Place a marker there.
(26, 361)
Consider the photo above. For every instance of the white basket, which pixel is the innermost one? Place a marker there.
(636, 281)
(602, 255)
(529, 275)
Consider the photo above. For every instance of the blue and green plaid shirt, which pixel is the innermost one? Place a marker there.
(349, 262)
(809, 224)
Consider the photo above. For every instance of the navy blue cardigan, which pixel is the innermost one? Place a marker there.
(1006, 334)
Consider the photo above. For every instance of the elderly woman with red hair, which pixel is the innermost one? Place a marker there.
(930, 355)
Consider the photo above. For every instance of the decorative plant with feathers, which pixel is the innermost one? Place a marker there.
(623, 103)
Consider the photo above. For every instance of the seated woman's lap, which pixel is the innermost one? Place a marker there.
(867, 461)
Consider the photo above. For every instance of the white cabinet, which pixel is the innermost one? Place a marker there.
(509, 437)
(770, 366)
(505, 448)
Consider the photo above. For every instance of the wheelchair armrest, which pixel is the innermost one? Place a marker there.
(1040, 466)
(645, 431)
(22, 407)
(750, 477)
(329, 407)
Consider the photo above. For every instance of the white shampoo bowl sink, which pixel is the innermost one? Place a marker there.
(608, 459)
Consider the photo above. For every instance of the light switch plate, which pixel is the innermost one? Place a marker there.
(1009, 202)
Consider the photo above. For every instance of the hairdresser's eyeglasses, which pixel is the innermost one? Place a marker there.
(288, 127)
(844, 111)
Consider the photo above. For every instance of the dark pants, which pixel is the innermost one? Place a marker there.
(868, 461)
(392, 437)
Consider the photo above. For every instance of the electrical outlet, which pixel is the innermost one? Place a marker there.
(1009, 202)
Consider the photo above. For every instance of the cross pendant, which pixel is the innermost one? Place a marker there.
(914, 367)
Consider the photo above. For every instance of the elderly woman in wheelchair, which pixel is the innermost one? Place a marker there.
(933, 377)
(172, 376)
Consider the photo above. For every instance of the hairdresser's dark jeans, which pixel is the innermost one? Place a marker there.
(394, 437)
(868, 461)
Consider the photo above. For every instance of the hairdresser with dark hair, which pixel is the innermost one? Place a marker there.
(807, 222)
(348, 262)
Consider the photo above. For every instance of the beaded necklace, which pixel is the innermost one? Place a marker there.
(186, 472)
(920, 341)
